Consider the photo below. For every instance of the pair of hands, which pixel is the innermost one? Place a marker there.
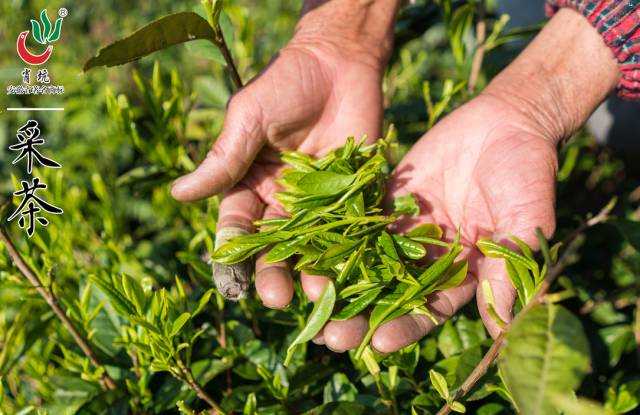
(489, 168)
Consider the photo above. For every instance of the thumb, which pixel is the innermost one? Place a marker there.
(227, 162)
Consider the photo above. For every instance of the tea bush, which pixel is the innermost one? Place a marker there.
(113, 309)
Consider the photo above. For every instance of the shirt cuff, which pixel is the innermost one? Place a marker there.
(618, 22)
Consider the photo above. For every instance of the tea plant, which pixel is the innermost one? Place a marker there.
(94, 320)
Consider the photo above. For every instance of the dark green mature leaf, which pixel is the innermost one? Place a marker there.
(164, 32)
(630, 229)
(339, 408)
(339, 388)
(546, 355)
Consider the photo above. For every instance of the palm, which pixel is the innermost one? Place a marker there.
(311, 101)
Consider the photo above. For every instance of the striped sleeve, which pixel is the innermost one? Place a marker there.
(618, 21)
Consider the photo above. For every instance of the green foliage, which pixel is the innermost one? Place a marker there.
(547, 344)
(113, 257)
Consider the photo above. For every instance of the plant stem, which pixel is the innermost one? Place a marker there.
(553, 272)
(226, 53)
(51, 299)
(189, 379)
(478, 57)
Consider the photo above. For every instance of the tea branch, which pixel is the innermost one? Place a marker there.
(187, 377)
(226, 53)
(478, 57)
(51, 299)
(567, 257)
(214, 8)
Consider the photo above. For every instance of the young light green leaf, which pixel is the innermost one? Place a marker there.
(385, 241)
(457, 407)
(490, 301)
(335, 254)
(409, 248)
(453, 276)
(495, 250)
(427, 230)
(320, 314)
(406, 205)
(325, 183)
(179, 323)
(439, 384)
(355, 205)
(358, 305)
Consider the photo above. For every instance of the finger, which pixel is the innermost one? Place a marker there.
(539, 213)
(238, 209)
(408, 329)
(492, 271)
(340, 336)
(313, 285)
(241, 139)
(273, 280)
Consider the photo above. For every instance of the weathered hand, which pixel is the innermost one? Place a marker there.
(489, 171)
(489, 167)
(317, 91)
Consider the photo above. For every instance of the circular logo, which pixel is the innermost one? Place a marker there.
(62, 12)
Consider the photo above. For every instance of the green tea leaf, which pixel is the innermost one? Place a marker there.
(546, 354)
(439, 384)
(325, 183)
(495, 250)
(358, 305)
(164, 32)
(179, 323)
(385, 241)
(427, 230)
(320, 314)
(454, 276)
(355, 205)
(406, 205)
(409, 248)
(335, 254)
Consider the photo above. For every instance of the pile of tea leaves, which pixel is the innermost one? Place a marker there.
(338, 229)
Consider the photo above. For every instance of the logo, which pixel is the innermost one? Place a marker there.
(47, 33)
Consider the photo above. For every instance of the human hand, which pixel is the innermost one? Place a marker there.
(324, 86)
(489, 169)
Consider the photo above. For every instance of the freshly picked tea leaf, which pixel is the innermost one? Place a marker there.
(337, 229)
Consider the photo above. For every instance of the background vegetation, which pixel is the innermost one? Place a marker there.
(127, 265)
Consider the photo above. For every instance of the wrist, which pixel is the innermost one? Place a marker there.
(560, 78)
(357, 29)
